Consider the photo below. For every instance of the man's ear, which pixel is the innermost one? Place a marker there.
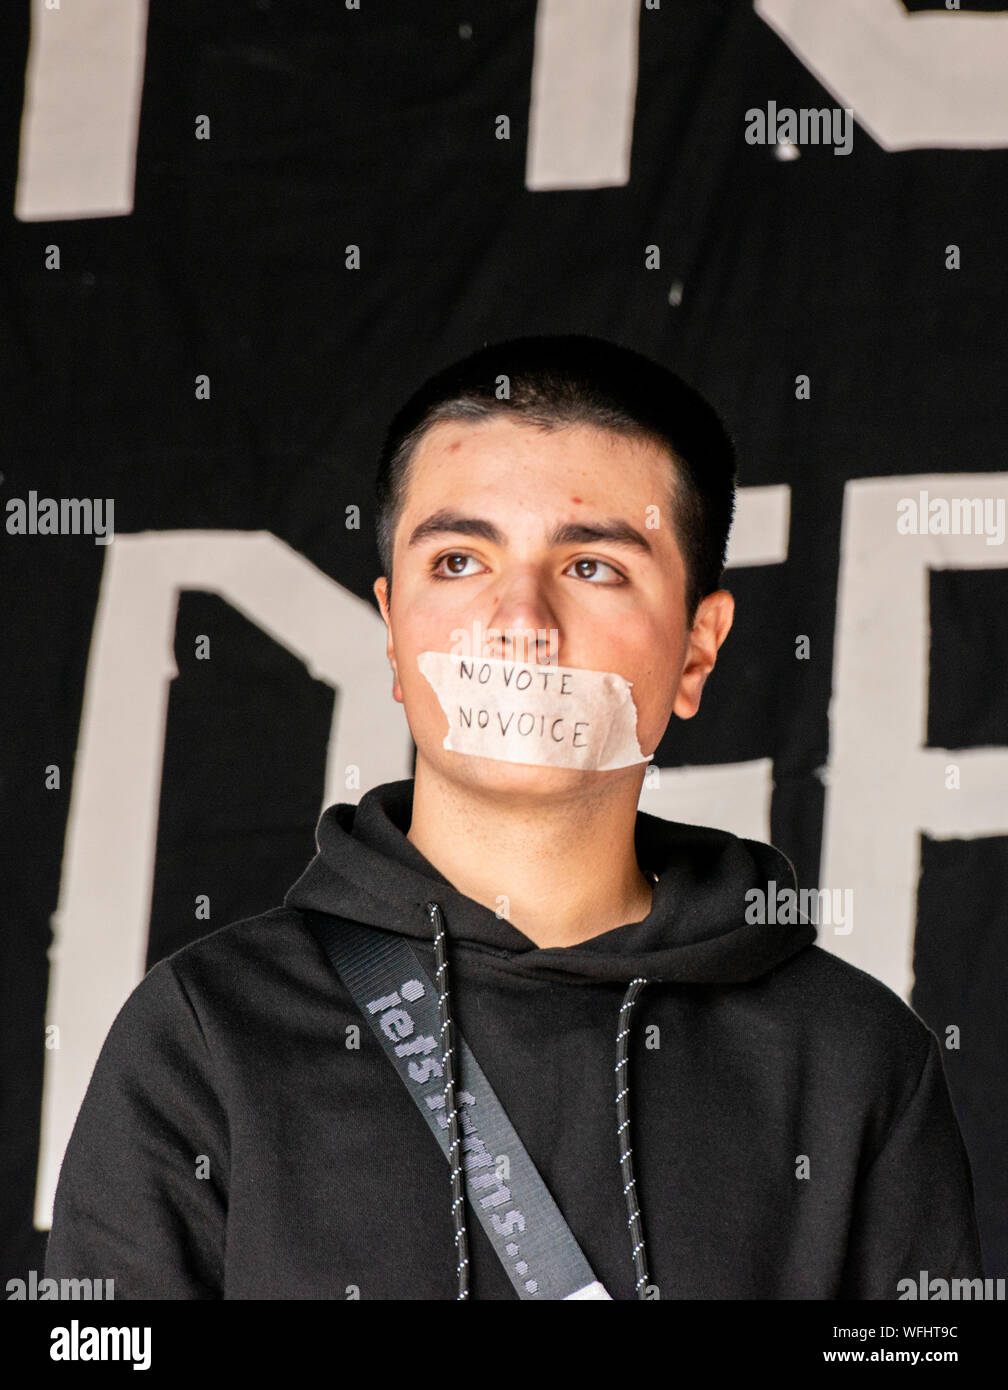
(381, 593)
(711, 626)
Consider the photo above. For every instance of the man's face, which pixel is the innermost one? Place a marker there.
(609, 604)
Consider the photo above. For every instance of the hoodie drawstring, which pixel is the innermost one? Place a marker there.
(634, 1222)
(448, 1068)
(634, 1219)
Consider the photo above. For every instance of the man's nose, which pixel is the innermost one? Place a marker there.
(523, 626)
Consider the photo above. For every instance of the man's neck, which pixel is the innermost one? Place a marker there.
(560, 866)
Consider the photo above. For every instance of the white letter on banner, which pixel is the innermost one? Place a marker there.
(101, 925)
(914, 81)
(584, 90)
(884, 786)
(81, 115)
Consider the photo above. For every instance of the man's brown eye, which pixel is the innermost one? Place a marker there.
(436, 567)
(586, 560)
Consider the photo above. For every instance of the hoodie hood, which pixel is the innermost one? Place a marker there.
(696, 932)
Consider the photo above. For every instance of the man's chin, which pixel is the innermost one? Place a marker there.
(503, 778)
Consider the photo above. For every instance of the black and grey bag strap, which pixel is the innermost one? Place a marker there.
(524, 1224)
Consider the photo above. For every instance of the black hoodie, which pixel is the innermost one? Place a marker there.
(793, 1135)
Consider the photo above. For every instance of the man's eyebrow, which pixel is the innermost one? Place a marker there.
(612, 529)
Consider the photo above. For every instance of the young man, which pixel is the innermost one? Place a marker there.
(782, 1127)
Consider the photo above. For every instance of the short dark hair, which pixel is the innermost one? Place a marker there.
(578, 379)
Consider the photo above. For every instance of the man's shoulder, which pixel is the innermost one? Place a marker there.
(241, 956)
(246, 959)
(273, 934)
(841, 1004)
(233, 987)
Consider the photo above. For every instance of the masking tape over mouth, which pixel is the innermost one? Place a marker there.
(551, 716)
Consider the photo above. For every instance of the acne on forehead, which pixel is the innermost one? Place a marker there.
(447, 438)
